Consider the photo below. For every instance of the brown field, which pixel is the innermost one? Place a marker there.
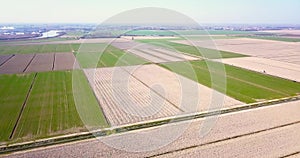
(4, 58)
(23, 63)
(276, 50)
(271, 67)
(41, 62)
(125, 100)
(65, 61)
(17, 64)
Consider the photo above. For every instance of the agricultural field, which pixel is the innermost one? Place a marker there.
(37, 48)
(24, 63)
(244, 85)
(13, 91)
(275, 50)
(267, 66)
(50, 108)
(184, 93)
(274, 38)
(126, 100)
(111, 56)
(210, 53)
(35, 41)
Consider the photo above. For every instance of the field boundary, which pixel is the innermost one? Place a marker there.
(136, 126)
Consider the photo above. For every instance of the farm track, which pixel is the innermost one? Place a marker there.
(23, 107)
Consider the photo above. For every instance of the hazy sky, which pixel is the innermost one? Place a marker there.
(203, 11)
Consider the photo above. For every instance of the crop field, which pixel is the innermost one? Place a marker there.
(152, 53)
(244, 85)
(16, 64)
(49, 109)
(37, 48)
(199, 51)
(270, 67)
(275, 50)
(186, 94)
(24, 63)
(111, 56)
(125, 100)
(13, 91)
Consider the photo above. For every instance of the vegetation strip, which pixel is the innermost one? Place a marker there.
(23, 107)
(108, 131)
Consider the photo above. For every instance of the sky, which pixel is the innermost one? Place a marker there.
(202, 11)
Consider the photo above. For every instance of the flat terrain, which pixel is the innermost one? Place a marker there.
(271, 67)
(13, 91)
(182, 92)
(125, 100)
(4, 58)
(152, 53)
(192, 49)
(49, 108)
(37, 48)
(276, 50)
(271, 131)
(24, 63)
(244, 85)
(16, 64)
(107, 56)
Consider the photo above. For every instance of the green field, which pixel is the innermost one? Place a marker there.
(111, 56)
(197, 51)
(43, 48)
(50, 109)
(242, 84)
(13, 91)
